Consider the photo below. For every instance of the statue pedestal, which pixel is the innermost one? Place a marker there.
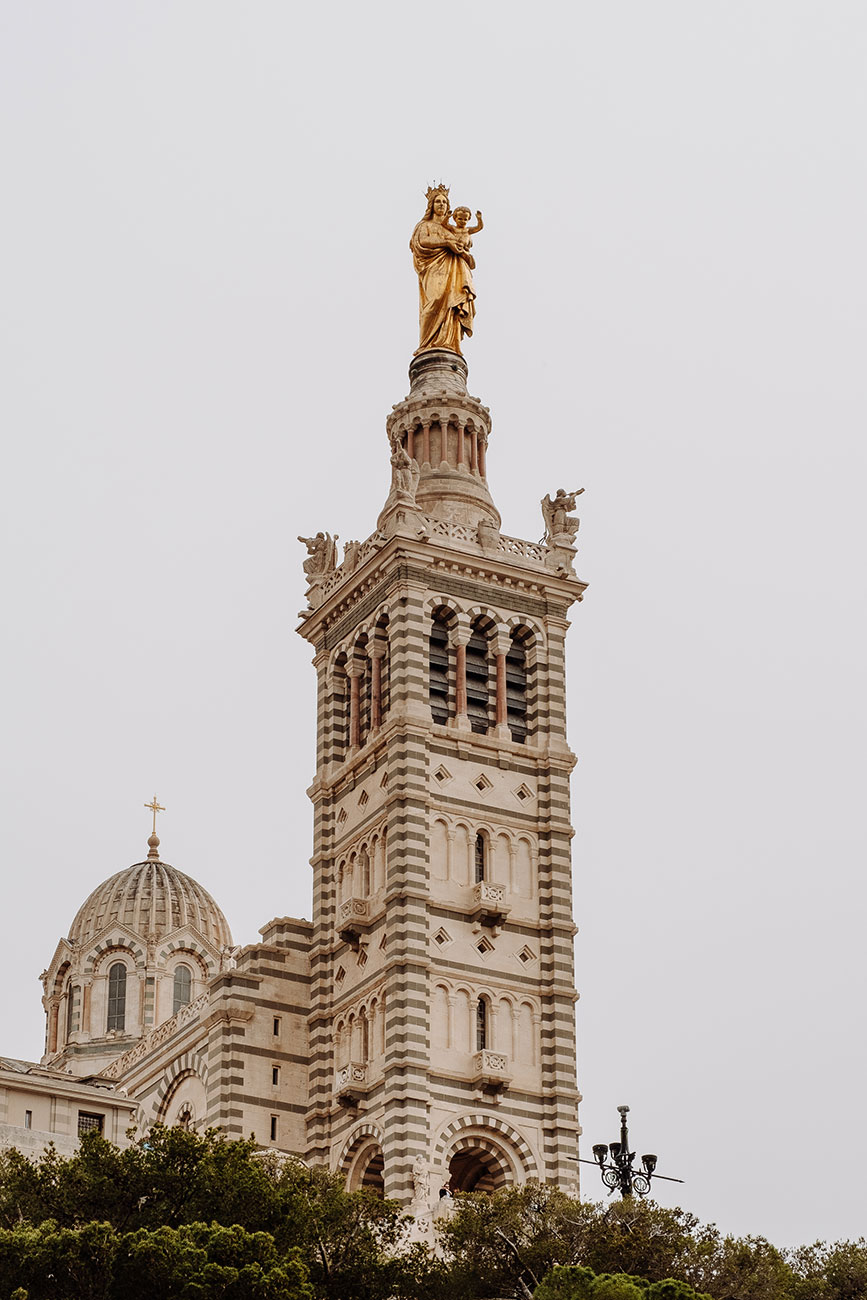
(445, 431)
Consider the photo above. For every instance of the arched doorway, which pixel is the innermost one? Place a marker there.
(362, 1165)
(370, 1176)
(478, 1168)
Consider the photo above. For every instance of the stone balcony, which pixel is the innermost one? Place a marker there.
(490, 905)
(350, 1083)
(491, 1071)
(353, 919)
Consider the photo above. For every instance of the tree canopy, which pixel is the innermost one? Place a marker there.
(186, 1216)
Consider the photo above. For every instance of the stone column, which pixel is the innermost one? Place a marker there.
(84, 1018)
(53, 1010)
(376, 654)
(426, 442)
(481, 454)
(458, 638)
(502, 643)
(450, 1028)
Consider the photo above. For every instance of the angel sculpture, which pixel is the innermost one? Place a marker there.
(321, 555)
(561, 528)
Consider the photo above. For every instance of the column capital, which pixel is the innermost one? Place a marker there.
(461, 631)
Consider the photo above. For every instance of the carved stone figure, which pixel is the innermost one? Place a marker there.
(561, 528)
(420, 1179)
(321, 555)
(443, 262)
(405, 473)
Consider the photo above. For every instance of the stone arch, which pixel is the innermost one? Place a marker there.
(192, 1065)
(102, 951)
(361, 1159)
(482, 1153)
(189, 950)
(534, 631)
(445, 602)
(59, 986)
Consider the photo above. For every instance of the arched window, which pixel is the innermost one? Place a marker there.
(481, 1024)
(70, 1006)
(362, 662)
(339, 709)
(479, 859)
(364, 1036)
(438, 675)
(478, 681)
(382, 648)
(364, 865)
(183, 988)
(116, 997)
(516, 689)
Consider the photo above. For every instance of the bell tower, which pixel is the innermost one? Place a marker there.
(442, 1041)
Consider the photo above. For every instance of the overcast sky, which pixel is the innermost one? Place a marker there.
(208, 310)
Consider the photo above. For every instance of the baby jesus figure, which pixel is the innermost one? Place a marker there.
(461, 231)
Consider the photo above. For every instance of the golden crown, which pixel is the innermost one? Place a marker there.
(436, 189)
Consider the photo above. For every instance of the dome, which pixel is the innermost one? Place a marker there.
(152, 899)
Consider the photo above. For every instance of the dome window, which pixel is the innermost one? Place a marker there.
(183, 988)
(116, 997)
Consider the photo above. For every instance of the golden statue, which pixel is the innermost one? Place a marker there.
(443, 261)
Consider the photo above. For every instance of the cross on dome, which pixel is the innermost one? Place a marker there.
(153, 839)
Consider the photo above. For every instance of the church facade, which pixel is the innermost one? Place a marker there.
(418, 1033)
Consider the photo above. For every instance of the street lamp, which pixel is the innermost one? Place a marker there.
(615, 1163)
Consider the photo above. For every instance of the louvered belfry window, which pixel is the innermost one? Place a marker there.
(438, 672)
(516, 690)
(478, 683)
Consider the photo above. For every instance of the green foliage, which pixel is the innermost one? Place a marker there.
(835, 1272)
(575, 1283)
(196, 1216)
(501, 1245)
(198, 1260)
(348, 1244)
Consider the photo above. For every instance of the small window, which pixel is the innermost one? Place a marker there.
(273, 1128)
(275, 1075)
(89, 1123)
(28, 1119)
(183, 988)
(479, 859)
(116, 997)
(276, 1026)
(481, 1025)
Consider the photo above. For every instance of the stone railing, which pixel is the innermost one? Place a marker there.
(350, 1079)
(353, 909)
(349, 565)
(460, 532)
(491, 897)
(159, 1035)
(491, 1064)
(536, 552)
(526, 550)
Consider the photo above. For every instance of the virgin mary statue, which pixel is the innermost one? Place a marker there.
(445, 285)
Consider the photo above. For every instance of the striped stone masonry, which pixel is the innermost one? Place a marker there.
(441, 1029)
